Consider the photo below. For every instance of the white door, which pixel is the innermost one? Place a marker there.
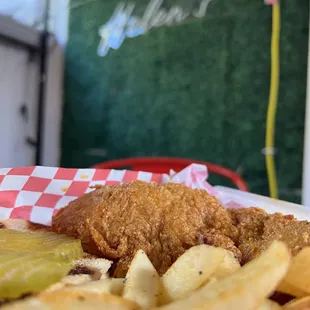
(18, 92)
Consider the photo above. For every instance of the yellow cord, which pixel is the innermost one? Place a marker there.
(273, 100)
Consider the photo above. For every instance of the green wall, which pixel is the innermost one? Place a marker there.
(198, 90)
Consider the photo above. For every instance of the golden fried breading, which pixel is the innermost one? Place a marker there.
(21, 224)
(258, 229)
(163, 220)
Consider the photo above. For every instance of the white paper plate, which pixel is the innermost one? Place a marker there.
(265, 203)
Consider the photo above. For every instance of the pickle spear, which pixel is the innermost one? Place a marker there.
(62, 248)
(23, 273)
(32, 261)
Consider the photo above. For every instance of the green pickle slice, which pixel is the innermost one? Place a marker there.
(32, 261)
(61, 247)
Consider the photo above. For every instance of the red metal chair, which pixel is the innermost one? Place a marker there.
(164, 164)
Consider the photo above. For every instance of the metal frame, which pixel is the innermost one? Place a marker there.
(36, 41)
(306, 164)
(18, 33)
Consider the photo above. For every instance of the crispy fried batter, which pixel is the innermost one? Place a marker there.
(165, 220)
(258, 229)
(20, 224)
(162, 220)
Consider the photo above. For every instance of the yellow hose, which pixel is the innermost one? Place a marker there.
(273, 100)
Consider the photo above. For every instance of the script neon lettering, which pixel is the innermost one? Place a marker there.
(123, 24)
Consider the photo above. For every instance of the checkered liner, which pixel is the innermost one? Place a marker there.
(37, 193)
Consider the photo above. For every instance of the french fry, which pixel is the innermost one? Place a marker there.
(246, 288)
(69, 281)
(142, 281)
(297, 280)
(269, 305)
(72, 300)
(112, 285)
(298, 304)
(189, 272)
(209, 281)
(228, 265)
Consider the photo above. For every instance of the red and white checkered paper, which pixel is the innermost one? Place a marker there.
(37, 193)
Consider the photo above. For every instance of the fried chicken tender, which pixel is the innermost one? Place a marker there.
(163, 220)
(258, 229)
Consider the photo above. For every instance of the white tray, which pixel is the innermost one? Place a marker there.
(265, 203)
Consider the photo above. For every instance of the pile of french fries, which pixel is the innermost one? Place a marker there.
(204, 277)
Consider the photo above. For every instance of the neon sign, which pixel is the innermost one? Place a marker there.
(123, 24)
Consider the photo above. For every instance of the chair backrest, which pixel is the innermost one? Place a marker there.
(164, 164)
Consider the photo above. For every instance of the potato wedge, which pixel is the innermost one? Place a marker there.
(209, 281)
(228, 266)
(269, 305)
(298, 304)
(71, 300)
(297, 279)
(112, 285)
(189, 272)
(69, 281)
(244, 289)
(142, 281)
